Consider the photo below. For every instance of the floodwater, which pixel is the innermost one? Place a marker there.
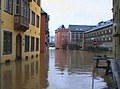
(57, 69)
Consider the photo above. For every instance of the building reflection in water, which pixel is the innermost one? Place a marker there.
(75, 65)
(79, 63)
(44, 61)
(60, 59)
(20, 75)
(73, 60)
(58, 69)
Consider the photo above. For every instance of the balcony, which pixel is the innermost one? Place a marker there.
(22, 14)
(21, 23)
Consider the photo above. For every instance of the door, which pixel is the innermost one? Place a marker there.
(18, 47)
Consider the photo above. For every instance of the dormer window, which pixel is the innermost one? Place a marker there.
(76, 28)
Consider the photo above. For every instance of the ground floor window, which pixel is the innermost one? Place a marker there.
(7, 42)
(27, 40)
(33, 46)
(32, 43)
(37, 44)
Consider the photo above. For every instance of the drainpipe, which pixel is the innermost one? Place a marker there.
(0, 30)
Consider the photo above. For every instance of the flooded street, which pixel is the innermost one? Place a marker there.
(73, 70)
(58, 69)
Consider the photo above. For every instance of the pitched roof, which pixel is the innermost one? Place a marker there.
(62, 27)
(80, 27)
(101, 25)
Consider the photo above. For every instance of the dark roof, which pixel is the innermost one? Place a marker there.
(101, 25)
(80, 27)
(42, 11)
(62, 27)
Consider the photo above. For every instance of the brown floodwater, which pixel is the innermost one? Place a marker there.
(56, 69)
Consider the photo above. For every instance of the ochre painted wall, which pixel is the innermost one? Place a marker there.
(33, 30)
(8, 25)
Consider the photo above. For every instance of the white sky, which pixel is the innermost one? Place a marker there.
(76, 12)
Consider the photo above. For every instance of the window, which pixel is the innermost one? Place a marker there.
(7, 42)
(32, 43)
(27, 40)
(37, 21)
(0, 4)
(24, 7)
(77, 36)
(38, 2)
(28, 12)
(37, 44)
(34, 0)
(8, 5)
(33, 18)
(17, 7)
(17, 1)
(109, 38)
(72, 36)
(105, 39)
(109, 31)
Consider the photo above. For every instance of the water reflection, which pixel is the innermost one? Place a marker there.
(20, 75)
(74, 61)
(77, 63)
(71, 69)
(57, 69)
(44, 61)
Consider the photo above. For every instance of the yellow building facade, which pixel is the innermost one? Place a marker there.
(19, 30)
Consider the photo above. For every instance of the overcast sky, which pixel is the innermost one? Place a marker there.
(76, 12)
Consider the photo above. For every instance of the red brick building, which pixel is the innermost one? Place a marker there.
(44, 32)
(61, 37)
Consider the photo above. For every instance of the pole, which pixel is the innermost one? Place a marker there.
(93, 74)
(0, 29)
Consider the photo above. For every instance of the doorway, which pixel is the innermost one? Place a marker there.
(18, 47)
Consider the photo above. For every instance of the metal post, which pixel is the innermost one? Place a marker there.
(0, 28)
(93, 74)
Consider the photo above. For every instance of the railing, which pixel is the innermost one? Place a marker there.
(21, 23)
(113, 67)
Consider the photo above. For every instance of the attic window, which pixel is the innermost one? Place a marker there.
(76, 28)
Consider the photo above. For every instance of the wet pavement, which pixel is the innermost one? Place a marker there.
(58, 69)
